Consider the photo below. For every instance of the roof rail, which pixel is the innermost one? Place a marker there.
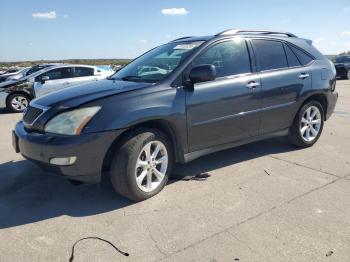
(181, 38)
(247, 31)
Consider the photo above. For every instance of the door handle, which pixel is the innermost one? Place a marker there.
(66, 83)
(303, 75)
(252, 85)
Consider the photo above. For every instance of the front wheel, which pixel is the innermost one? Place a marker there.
(142, 165)
(16, 103)
(307, 125)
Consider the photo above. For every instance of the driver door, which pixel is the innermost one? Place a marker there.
(59, 78)
(227, 109)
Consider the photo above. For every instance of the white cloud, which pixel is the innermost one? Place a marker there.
(144, 41)
(65, 16)
(345, 33)
(175, 11)
(318, 40)
(346, 8)
(48, 15)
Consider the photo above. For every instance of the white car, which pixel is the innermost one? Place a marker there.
(16, 94)
(151, 70)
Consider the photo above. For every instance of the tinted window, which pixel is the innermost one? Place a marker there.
(270, 54)
(83, 71)
(291, 57)
(36, 68)
(302, 56)
(59, 73)
(343, 59)
(229, 58)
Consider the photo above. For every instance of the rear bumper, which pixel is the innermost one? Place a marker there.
(89, 150)
(332, 100)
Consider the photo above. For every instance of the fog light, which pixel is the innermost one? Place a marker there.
(63, 161)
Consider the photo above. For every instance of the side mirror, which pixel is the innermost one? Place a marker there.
(44, 79)
(202, 73)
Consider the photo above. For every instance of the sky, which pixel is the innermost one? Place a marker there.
(64, 29)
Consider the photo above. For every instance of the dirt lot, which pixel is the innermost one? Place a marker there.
(265, 201)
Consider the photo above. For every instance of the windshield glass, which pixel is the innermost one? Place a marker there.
(156, 64)
(343, 59)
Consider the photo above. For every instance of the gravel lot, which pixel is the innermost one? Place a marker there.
(264, 201)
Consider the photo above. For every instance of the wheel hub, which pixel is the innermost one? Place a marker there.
(151, 166)
(310, 123)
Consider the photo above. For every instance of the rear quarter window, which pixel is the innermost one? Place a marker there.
(303, 57)
(83, 71)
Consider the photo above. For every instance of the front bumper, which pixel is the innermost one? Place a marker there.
(3, 97)
(332, 99)
(90, 150)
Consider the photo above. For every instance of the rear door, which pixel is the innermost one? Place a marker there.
(283, 78)
(226, 109)
(59, 78)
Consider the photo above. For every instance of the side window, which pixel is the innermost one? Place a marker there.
(270, 54)
(229, 58)
(59, 73)
(291, 57)
(302, 56)
(83, 71)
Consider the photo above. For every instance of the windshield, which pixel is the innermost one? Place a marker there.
(156, 64)
(343, 59)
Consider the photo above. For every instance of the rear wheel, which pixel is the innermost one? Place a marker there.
(17, 102)
(142, 165)
(307, 125)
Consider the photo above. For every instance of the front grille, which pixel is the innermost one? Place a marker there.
(31, 114)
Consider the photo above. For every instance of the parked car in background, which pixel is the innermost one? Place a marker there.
(8, 73)
(16, 94)
(23, 72)
(342, 65)
(151, 70)
(219, 91)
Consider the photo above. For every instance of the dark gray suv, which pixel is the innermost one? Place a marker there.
(177, 102)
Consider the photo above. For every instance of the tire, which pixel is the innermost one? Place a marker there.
(17, 102)
(131, 162)
(301, 133)
(347, 74)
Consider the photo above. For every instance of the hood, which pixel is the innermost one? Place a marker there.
(10, 83)
(78, 95)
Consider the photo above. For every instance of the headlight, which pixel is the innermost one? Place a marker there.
(72, 122)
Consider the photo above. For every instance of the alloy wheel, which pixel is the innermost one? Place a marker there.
(151, 166)
(19, 103)
(310, 124)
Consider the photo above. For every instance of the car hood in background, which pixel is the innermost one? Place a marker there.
(77, 95)
(10, 83)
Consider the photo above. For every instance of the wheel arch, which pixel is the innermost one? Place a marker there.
(158, 124)
(319, 97)
(20, 92)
